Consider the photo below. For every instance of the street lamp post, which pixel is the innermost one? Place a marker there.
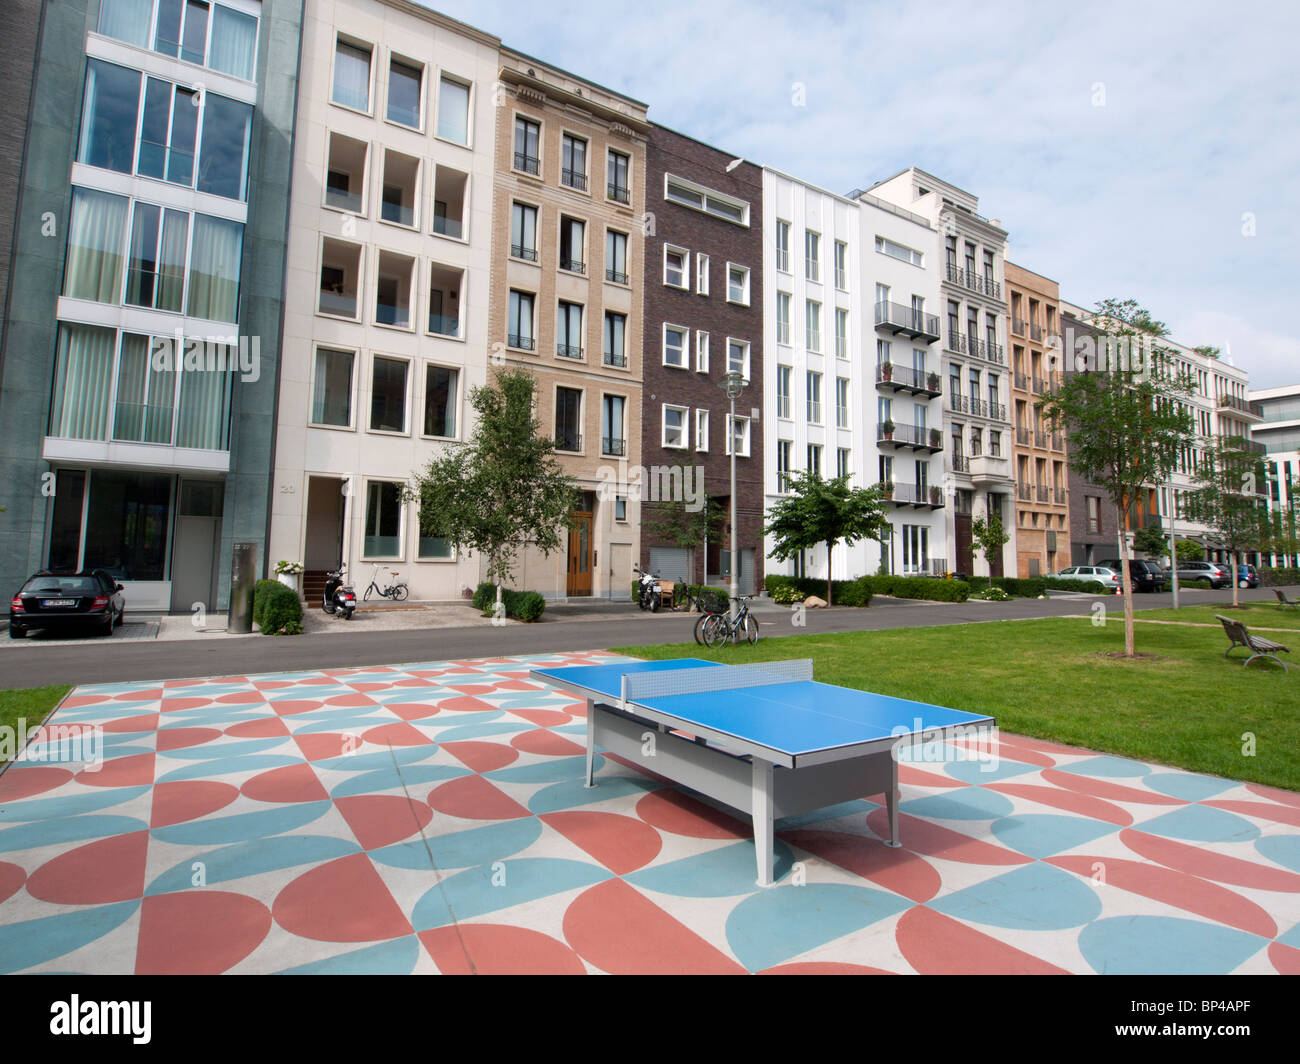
(1173, 543)
(733, 384)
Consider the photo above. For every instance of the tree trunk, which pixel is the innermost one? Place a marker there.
(829, 547)
(1236, 596)
(1127, 588)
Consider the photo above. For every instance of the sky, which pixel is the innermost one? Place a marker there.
(1143, 150)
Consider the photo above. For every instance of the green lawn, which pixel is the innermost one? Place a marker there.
(32, 704)
(1255, 615)
(1056, 679)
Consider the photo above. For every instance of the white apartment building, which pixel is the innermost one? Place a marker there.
(1279, 433)
(970, 259)
(386, 317)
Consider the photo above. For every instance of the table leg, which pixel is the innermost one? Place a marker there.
(891, 803)
(591, 743)
(762, 816)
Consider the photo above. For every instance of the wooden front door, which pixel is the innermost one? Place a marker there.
(579, 581)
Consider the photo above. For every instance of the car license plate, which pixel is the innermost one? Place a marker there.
(47, 603)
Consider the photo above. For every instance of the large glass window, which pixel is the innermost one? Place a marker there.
(96, 228)
(405, 81)
(383, 519)
(331, 402)
(527, 146)
(214, 268)
(83, 380)
(223, 166)
(110, 108)
(168, 131)
(432, 547)
(616, 256)
(351, 75)
(453, 110)
(156, 275)
(129, 514)
(146, 394)
(523, 232)
(440, 401)
(126, 20)
(521, 321)
(612, 441)
(615, 335)
(204, 419)
(568, 419)
(388, 395)
(234, 42)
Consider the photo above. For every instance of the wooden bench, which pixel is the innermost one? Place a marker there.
(1239, 636)
(1281, 597)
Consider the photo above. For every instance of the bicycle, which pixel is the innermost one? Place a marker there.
(397, 592)
(708, 610)
(720, 628)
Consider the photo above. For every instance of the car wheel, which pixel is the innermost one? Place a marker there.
(17, 631)
(108, 628)
(121, 616)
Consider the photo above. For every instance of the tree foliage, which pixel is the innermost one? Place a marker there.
(989, 536)
(1150, 539)
(1229, 501)
(502, 489)
(681, 526)
(823, 511)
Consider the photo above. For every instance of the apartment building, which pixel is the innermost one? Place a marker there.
(973, 310)
(565, 300)
(142, 337)
(1279, 433)
(704, 285)
(386, 317)
(1042, 476)
(814, 334)
(901, 385)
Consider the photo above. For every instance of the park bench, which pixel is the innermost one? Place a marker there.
(1281, 597)
(1239, 636)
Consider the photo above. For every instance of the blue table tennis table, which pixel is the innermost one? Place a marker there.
(765, 739)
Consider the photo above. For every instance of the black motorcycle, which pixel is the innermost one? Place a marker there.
(649, 595)
(339, 598)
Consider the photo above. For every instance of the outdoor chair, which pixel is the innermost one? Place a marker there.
(1285, 602)
(1239, 636)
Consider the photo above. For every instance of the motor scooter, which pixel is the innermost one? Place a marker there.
(339, 598)
(649, 595)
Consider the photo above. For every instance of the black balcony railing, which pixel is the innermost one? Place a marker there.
(960, 463)
(1039, 385)
(995, 353)
(620, 194)
(904, 319)
(529, 164)
(1044, 493)
(1024, 491)
(574, 179)
(906, 378)
(996, 411)
(568, 441)
(958, 404)
(568, 351)
(573, 265)
(910, 435)
(524, 343)
(1036, 333)
(616, 277)
(1022, 436)
(956, 342)
(1021, 381)
(1018, 326)
(612, 446)
(615, 358)
(1244, 406)
(519, 251)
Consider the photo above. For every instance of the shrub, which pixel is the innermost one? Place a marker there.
(992, 594)
(529, 606)
(280, 608)
(522, 605)
(1271, 577)
(785, 590)
(921, 587)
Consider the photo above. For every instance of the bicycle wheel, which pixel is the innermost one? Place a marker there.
(749, 630)
(400, 592)
(699, 627)
(366, 596)
(716, 631)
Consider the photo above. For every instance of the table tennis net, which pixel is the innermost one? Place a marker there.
(638, 686)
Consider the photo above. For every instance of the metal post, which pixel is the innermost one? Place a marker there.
(1173, 544)
(243, 575)
(733, 383)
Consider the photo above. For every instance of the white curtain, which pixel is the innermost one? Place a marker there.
(205, 407)
(145, 395)
(126, 20)
(453, 111)
(83, 383)
(214, 268)
(234, 42)
(171, 261)
(96, 230)
(352, 76)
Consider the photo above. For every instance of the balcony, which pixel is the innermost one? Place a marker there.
(529, 164)
(568, 351)
(1018, 326)
(920, 496)
(1022, 436)
(444, 325)
(521, 251)
(1040, 439)
(1020, 381)
(573, 266)
(1044, 493)
(1059, 495)
(568, 441)
(995, 353)
(1036, 333)
(1241, 407)
(906, 379)
(523, 343)
(615, 447)
(990, 469)
(1024, 491)
(907, 321)
(616, 358)
(955, 275)
(1039, 385)
(619, 193)
(574, 179)
(1058, 441)
(960, 464)
(901, 436)
(956, 342)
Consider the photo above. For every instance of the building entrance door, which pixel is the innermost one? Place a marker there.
(579, 578)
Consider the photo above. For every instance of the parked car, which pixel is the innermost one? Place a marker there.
(90, 599)
(1090, 574)
(1247, 576)
(1218, 575)
(1145, 575)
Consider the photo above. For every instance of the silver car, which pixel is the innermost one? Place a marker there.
(1090, 574)
(1218, 575)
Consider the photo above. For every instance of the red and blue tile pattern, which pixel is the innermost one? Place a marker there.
(432, 818)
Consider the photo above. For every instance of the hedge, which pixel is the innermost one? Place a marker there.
(1271, 577)
(1034, 586)
(789, 589)
(522, 605)
(276, 608)
(930, 588)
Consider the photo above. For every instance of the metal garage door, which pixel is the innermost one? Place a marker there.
(671, 563)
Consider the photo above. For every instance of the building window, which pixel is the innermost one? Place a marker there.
(783, 465)
(916, 548)
(618, 177)
(568, 419)
(702, 275)
(383, 537)
(674, 426)
(676, 266)
(783, 374)
(612, 437)
(352, 75)
(521, 321)
(405, 92)
(453, 110)
(573, 162)
(440, 386)
(528, 136)
(841, 266)
(401, 186)
(738, 357)
(616, 256)
(701, 430)
(523, 232)
(345, 174)
(812, 255)
(432, 547)
(815, 459)
(738, 435)
(841, 402)
(675, 346)
(814, 330)
(841, 333)
(182, 31)
(340, 275)
(1094, 513)
(615, 353)
(737, 284)
(814, 397)
(331, 402)
(449, 202)
(388, 395)
(899, 251)
(96, 233)
(620, 508)
(701, 351)
(701, 199)
(842, 462)
(445, 285)
(568, 330)
(395, 276)
(783, 317)
(783, 246)
(573, 244)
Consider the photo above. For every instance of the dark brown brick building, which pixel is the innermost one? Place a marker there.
(703, 315)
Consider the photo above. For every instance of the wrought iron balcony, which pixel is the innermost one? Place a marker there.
(1058, 441)
(956, 342)
(1018, 326)
(616, 359)
(1039, 385)
(1059, 495)
(619, 193)
(1022, 436)
(907, 321)
(1044, 493)
(529, 164)
(960, 463)
(955, 275)
(1024, 491)
(611, 446)
(520, 251)
(615, 276)
(568, 351)
(573, 265)
(574, 179)
(901, 378)
(1036, 333)
(524, 343)
(995, 353)
(1040, 439)
(568, 441)
(1021, 381)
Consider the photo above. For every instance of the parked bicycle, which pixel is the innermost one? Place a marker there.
(720, 628)
(397, 592)
(709, 606)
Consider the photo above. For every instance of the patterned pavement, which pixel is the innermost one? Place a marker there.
(432, 818)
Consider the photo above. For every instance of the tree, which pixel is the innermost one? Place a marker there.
(674, 522)
(1150, 540)
(1189, 551)
(823, 511)
(1125, 414)
(990, 537)
(502, 489)
(1228, 502)
(1207, 351)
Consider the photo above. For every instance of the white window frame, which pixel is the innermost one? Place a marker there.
(812, 268)
(744, 271)
(783, 399)
(701, 274)
(401, 518)
(811, 334)
(685, 334)
(743, 451)
(783, 252)
(810, 377)
(842, 390)
(842, 338)
(685, 284)
(783, 324)
(701, 351)
(406, 398)
(701, 430)
(744, 344)
(686, 427)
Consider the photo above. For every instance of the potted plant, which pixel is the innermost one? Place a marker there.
(936, 438)
(888, 429)
(288, 573)
(936, 494)
(934, 382)
(886, 371)
(887, 488)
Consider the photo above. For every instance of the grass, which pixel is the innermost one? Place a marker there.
(1185, 705)
(1253, 615)
(31, 704)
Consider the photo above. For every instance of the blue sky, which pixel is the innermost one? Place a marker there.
(1144, 150)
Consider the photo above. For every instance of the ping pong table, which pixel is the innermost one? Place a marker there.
(763, 739)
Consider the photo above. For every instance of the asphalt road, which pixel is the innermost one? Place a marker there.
(593, 627)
